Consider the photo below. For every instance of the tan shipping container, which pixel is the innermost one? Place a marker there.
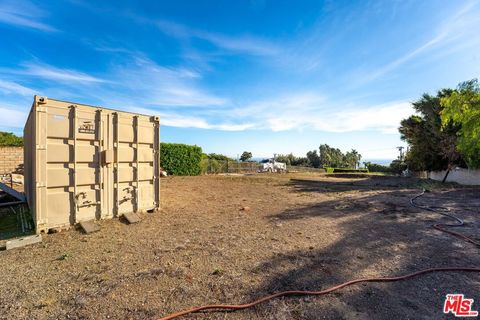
(84, 162)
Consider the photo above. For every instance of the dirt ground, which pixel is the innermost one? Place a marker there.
(300, 232)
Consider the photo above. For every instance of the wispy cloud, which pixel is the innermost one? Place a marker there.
(16, 117)
(300, 111)
(48, 72)
(23, 13)
(146, 87)
(10, 87)
(159, 86)
(139, 81)
(53, 73)
(243, 43)
(458, 26)
(312, 111)
(180, 120)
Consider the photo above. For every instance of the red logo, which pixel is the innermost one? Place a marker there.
(459, 306)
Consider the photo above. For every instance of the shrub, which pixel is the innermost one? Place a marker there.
(212, 165)
(8, 139)
(344, 170)
(398, 166)
(180, 159)
(374, 167)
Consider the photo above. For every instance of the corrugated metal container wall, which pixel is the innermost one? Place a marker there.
(84, 162)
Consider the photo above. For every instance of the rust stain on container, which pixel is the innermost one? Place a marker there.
(84, 162)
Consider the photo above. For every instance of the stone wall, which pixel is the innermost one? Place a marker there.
(11, 160)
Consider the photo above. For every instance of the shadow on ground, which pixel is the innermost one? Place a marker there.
(379, 234)
(368, 183)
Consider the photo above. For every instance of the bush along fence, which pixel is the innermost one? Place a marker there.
(212, 166)
(180, 159)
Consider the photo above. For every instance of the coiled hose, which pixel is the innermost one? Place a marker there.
(444, 212)
(440, 210)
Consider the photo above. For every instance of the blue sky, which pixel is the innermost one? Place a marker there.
(263, 76)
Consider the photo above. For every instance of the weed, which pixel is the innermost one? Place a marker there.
(64, 256)
(217, 272)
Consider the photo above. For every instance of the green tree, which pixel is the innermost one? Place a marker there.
(374, 167)
(427, 138)
(352, 159)
(331, 157)
(245, 156)
(462, 108)
(397, 166)
(335, 158)
(8, 139)
(300, 161)
(313, 158)
(292, 160)
(286, 158)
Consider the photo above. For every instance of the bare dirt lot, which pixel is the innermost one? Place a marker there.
(298, 232)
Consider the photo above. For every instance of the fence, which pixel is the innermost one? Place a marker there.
(11, 160)
(211, 166)
(458, 175)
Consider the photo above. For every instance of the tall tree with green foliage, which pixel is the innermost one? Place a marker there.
(292, 160)
(331, 157)
(8, 139)
(352, 159)
(462, 107)
(313, 158)
(335, 158)
(246, 156)
(428, 139)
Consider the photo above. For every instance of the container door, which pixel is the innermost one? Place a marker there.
(74, 173)
(125, 186)
(136, 185)
(88, 182)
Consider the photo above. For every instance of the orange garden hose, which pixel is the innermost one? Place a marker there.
(315, 293)
(439, 226)
(345, 284)
(456, 234)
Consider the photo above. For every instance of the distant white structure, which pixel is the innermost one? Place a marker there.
(271, 165)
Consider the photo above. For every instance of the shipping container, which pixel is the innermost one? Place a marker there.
(84, 162)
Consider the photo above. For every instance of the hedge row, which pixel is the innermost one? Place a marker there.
(180, 159)
(8, 139)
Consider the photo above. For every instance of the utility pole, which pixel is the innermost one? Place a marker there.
(400, 149)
